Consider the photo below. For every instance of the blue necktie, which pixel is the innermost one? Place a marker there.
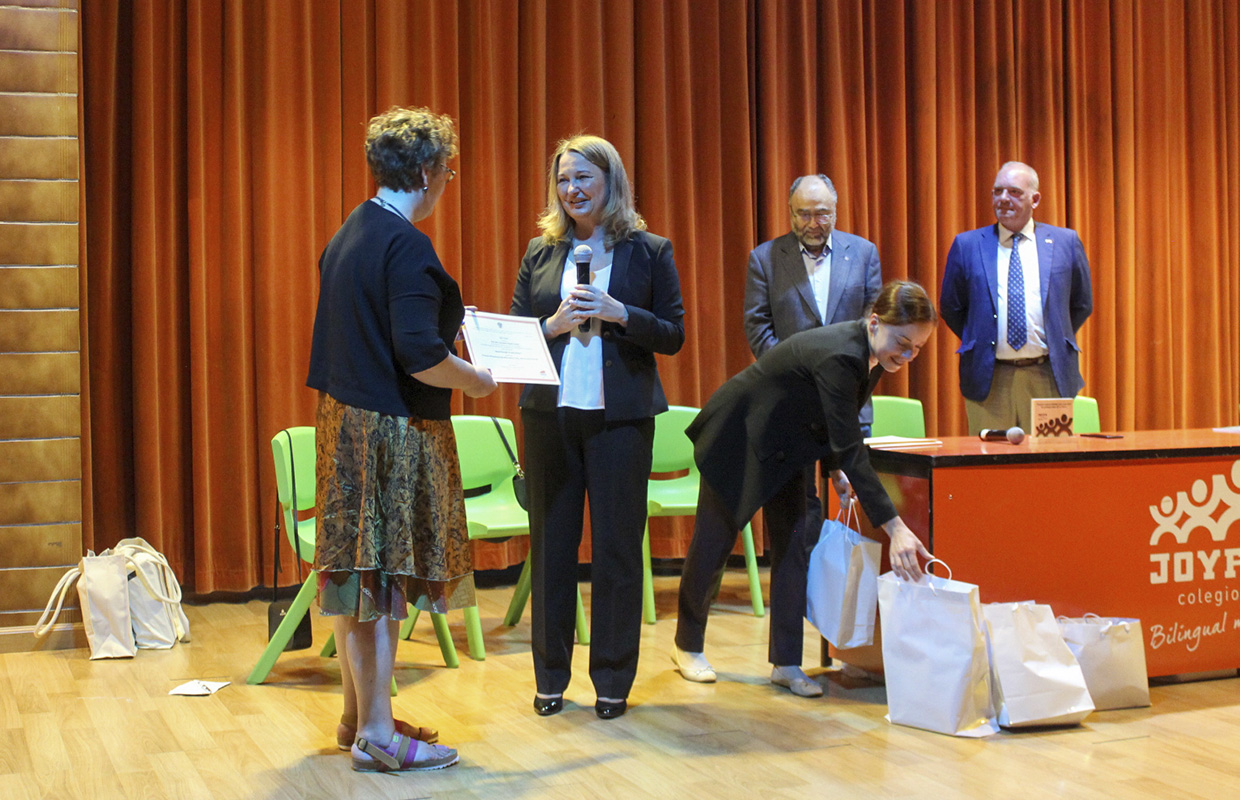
(1016, 333)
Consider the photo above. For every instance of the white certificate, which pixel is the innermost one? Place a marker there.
(513, 348)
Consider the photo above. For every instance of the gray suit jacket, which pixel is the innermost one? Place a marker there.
(779, 301)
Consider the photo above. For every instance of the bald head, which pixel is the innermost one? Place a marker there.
(811, 205)
(1015, 195)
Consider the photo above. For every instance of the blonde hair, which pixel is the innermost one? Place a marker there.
(401, 141)
(619, 218)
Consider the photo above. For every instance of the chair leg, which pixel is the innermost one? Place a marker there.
(583, 627)
(473, 634)
(520, 594)
(446, 646)
(751, 566)
(648, 612)
(406, 627)
(280, 638)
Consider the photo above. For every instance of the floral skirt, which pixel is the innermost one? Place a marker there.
(391, 515)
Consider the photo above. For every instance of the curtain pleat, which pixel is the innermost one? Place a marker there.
(223, 147)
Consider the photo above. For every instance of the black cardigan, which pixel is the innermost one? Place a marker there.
(386, 309)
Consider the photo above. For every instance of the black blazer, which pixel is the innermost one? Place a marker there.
(795, 405)
(644, 279)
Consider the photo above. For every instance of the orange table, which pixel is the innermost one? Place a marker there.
(1144, 526)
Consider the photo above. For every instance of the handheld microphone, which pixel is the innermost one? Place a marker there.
(1012, 435)
(582, 255)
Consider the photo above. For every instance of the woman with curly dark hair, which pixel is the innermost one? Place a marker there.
(391, 514)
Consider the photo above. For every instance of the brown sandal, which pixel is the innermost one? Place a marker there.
(402, 756)
(346, 733)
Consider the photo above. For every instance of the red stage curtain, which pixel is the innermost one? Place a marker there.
(223, 148)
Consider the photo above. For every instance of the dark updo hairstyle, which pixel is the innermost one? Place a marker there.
(400, 142)
(904, 303)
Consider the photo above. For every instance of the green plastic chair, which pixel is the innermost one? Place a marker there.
(678, 497)
(292, 450)
(898, 416)
(1085, 415)
(302, 458)
(496, 514)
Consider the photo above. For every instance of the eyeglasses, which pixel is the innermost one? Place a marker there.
(815, 216)
(451, 173)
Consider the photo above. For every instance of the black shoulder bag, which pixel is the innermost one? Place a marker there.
(518, 480)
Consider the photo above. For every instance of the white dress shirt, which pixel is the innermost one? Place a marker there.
(818, 269)
(1035, 345)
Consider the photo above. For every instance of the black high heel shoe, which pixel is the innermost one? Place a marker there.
(610, 710)
(546, 706)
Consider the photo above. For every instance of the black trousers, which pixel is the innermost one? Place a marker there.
(714, 536)
(571, 453)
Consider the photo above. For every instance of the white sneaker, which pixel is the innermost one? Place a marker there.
(693, 666)
(795, 679)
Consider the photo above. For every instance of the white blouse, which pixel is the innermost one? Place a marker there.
(581, 368)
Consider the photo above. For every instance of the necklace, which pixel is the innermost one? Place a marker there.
(391, 208)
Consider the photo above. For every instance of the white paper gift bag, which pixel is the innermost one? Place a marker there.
(1036, 679)
(154, 596)
(1111, 652)
(104, 596)
(841, 588)
(934, 655)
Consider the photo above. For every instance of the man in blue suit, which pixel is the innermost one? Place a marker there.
(1015, 293)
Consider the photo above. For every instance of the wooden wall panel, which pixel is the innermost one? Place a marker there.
(38, 29)
(40, 460)
(38, 331)
(39, 287)
(40, 373)
(40, 504)
(38, 72)
(36, 158)
(70, 613)
(23, 114)
(40, 335)
(35, 417)
(28, 589)
(35, 243)
(39, 545)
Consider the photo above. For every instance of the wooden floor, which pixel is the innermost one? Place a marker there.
(72, 728)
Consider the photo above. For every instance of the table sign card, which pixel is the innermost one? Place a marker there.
(1052, 416)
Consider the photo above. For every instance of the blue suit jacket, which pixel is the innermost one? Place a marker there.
(969, 303)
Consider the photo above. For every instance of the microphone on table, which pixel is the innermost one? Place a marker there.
(582, 255)
(1012, 435)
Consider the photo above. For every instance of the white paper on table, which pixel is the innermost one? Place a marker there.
(514, 349)
(900, 442)
(197, 688)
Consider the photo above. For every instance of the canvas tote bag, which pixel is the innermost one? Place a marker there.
(1111, 652)
(155, 610)
(1036, 679)
(103, 591)
(934, 655)
(841, 588)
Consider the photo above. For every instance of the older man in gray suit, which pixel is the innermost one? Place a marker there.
(810, 277)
